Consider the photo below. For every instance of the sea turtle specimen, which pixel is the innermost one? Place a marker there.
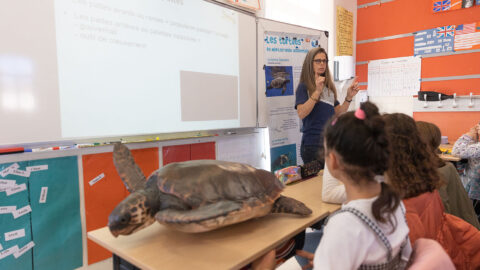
(196, 196)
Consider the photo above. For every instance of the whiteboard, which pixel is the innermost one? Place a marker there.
(79, 69)
(265, 25)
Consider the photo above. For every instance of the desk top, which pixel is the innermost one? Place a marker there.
(231, 247)
(448, 157)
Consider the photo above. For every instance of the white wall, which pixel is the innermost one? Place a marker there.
(318, 14)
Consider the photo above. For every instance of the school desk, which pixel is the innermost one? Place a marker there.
(449, 156)
(231, 247)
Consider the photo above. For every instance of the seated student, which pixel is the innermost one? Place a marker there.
(413, 174)
(370, 230)
(468, 146)
(454, 197)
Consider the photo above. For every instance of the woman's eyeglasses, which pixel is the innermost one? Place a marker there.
(320, 61)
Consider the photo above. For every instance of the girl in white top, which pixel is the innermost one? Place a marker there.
(370, 230)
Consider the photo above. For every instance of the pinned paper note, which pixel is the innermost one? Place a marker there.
(37, 168)
(16, 189)
(14, 234)
(24, 249)
(6, 171)
(96, 179)
(22, 211)
(8, 252)
(7, 183)
(43, 195)
(20, 172)
(7, 209)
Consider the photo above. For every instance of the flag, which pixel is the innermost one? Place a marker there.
(445, 31)
(436, 40)
(467, 36)
(466, 28)
(444, 5)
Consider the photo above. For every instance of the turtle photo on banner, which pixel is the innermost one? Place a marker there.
(279, 81)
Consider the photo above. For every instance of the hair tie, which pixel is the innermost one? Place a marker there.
(360, 114)
(334, 121)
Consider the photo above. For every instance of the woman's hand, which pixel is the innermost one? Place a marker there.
(319, 83)
(308, 256)
(352, 89)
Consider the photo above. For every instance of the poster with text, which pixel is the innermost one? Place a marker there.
(284, 56)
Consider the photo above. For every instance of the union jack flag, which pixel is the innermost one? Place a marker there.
(445, 31)
(442, 5)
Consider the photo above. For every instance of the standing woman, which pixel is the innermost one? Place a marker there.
(316, 101)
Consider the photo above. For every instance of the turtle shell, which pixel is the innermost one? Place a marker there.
(215, 193)
(207, 181)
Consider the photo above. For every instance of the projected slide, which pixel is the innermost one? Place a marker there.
(126, 67)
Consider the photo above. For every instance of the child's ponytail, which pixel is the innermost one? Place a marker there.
(386, 203)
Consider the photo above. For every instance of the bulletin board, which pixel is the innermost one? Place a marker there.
(47, 215)
(390, 30)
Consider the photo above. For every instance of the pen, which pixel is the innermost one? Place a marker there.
(11, 150)
(40, 149)
(83, 145)
(53, 148)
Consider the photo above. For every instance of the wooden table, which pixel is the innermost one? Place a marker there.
(232, 247)
(448, 157)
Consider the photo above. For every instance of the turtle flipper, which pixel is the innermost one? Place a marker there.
(210, 211)
(131, 175)
(289, 205)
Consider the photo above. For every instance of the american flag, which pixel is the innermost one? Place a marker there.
(465, 28)
(446, 31)
(467, 37)
(443, 5)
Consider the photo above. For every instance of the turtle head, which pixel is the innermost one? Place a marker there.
(134, 213)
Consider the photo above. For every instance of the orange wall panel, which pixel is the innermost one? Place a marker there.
(452, 124)
(385, 49)
(104, 195)
(362, 72)
(451, 65)
(407, 16)
(461, 87)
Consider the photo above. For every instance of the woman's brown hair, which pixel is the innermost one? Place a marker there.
(307, 76)
(432, 136)
(411, 171)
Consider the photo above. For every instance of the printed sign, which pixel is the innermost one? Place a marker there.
(14, 234)
(437, 40)
(96, 179)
